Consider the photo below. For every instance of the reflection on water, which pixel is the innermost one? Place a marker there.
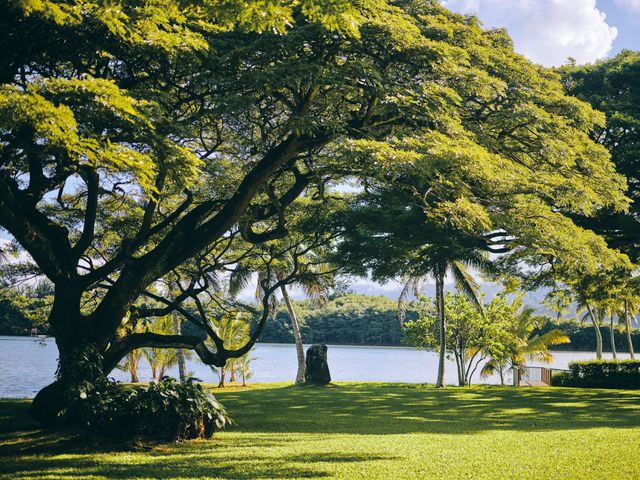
(27, 364)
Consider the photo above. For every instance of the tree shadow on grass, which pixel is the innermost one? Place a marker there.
(271, 425)
(384, 409)
(27, 452)
(175, 465)
(41, 454)
(169, 466)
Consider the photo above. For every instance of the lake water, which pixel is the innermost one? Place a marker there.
(27, 365)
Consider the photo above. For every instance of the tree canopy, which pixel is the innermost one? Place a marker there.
(611, 86)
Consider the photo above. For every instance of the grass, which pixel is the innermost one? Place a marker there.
(357, 430)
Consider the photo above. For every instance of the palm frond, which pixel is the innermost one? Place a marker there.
(549, 339)
(584, 318)
(467, 284)
(239, 279)
(410, 286)
(488, 369)
(316, 287)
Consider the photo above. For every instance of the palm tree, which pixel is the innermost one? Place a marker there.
(244, 368)
(624, 313)
(457, 266)
(612, 335)
(181, 354)
(595, 315)
(160, 359)
(526, 347)
(131, 361)
(234, 332)
(393, 232)
(297, 335)
(627, 324)
(130, 364)
(316, 286)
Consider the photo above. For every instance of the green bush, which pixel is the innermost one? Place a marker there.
(562, 379)
(167, 410)
(600, 374)
(179, 410)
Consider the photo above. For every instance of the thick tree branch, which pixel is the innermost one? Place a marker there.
(46, 242)
(120, 348)
(88, 230)
(194, 231)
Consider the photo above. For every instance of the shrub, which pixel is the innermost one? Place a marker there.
(562, 379)
(107, 409)
(167, 410)
(600, 374)
(179, 410)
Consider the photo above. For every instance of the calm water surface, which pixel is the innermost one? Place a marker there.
(27, 365)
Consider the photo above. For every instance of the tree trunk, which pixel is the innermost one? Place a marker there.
(232, 372)
(222, 375)
(75, 365)
(463, 364)
(458, 367)
(627, 323)
(182, 365)
(501, 373)
(463, 373)
(439, 275)
(613, 338)
(297, 336)
(47, 404)
(596, 327)
(133, 366)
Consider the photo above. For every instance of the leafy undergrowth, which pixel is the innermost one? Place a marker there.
(357, 430)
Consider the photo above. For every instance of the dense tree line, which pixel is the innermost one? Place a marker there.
(583, 337)
(12, 320)
(25, 308)
(353, 319)
(345, 319)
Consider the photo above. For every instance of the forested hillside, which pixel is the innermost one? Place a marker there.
(373, 320)
(345, 319)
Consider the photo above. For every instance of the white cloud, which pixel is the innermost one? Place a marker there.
(632, 5)
(548, 31)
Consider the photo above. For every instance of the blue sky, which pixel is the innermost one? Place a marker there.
(549, 31)
(626, 20)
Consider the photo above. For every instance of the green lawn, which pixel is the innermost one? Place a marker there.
(362, 431)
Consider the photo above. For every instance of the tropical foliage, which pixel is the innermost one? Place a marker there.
(165, 410)
(234, 332)
(522, 339)
(160, 359)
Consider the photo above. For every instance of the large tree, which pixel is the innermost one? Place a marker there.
(612, 87)
(137, 135)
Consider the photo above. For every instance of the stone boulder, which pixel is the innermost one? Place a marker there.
(317, 371)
